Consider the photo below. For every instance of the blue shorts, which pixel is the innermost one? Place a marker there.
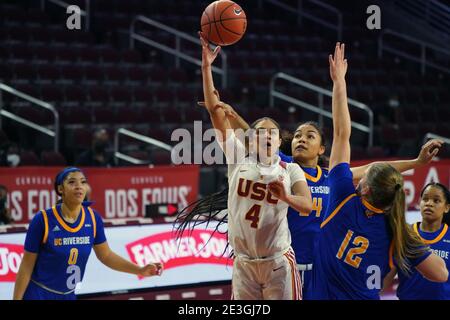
(306, 276)
(34, 292)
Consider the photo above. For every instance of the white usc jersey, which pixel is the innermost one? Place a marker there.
(257, 221)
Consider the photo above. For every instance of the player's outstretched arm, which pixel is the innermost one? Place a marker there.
(340, 150)
(216, 113)
(116, 262)
(428, 151)
(24, 275)
(235, 120)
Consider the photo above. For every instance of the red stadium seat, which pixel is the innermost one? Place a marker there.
(185, 97)
(137, 75)
(158, 76)
(89, 56)
(161, 157)
(67, 55)
(29, 158)
(104, 115)
(73, 73)
(109, 56)
(39, 35)
(76, 115)
(48, 73)
(129, 114)
(143, 95)
(93, 74)
(45, 54)
(130, 56)
(52, 158)
(21, 53)
(82, 138)
(75, 94)
(98, 94)
(172, 115)
(24, 71)
(121, 95)
(163, 97)
(114, 75)
(52, 93)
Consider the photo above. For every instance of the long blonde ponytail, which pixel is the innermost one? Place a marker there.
(386, 192)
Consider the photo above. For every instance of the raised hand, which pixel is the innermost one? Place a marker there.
(338, 63)
(429, 150)
(208, 55)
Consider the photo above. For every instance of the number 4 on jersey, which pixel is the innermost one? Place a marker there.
(316, 206)
(253, 215)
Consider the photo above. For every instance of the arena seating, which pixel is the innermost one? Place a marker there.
(94, 79)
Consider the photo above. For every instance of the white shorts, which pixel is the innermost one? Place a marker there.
(268, 279)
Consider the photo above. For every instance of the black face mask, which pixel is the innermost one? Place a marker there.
(100, 146)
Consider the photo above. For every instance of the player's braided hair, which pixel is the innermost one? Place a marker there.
(446, 192)
(202, 212)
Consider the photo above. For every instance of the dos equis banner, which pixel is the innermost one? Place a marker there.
(117, 192)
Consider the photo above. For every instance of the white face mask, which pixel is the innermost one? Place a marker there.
(13, 160)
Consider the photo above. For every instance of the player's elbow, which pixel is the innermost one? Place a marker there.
(307, 206)
(435, 270)
(441, 274)
(438, 276)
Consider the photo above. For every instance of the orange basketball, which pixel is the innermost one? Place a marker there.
(223, 22)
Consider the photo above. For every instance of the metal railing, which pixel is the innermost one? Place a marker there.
(321, 92)
(430, 135)
(85, 13)
(382, 46)
(118, 155)
(298, 10)
(434, 14)
(134, 36)
(54, 134)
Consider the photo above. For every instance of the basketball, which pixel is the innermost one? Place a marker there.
(223, 22)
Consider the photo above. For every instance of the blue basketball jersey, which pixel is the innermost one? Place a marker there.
(304, 228)
(415, 286)
(353, 246)
(63, 248)
(285, 158)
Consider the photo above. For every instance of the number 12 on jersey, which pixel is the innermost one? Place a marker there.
(361, 244)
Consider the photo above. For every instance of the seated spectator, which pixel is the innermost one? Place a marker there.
(97, 155)
(10, 155)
